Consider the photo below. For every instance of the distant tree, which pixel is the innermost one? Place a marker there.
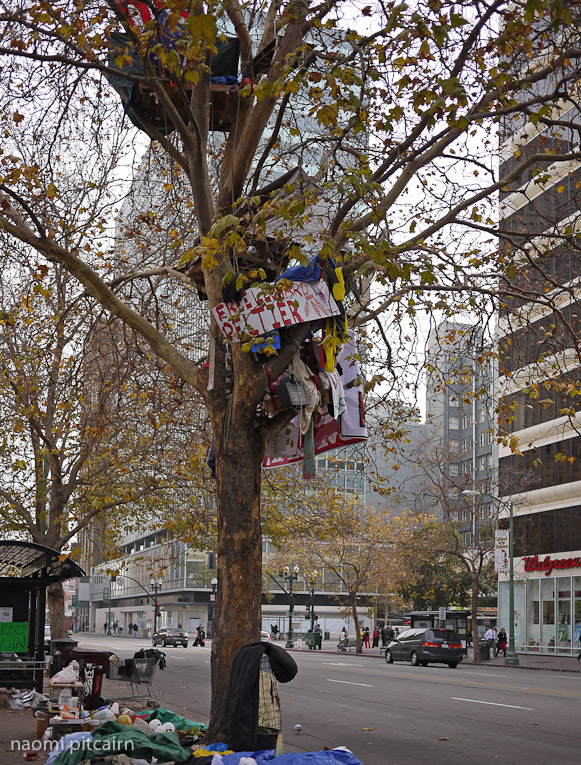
(84, 441)
(328, 529)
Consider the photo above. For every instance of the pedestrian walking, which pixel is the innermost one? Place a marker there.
(375, 637)
(490, 637)
(502, 642)
(200, 636)
(366, 636)
(105, 627)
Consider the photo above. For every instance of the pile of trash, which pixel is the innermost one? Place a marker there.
(159, 737)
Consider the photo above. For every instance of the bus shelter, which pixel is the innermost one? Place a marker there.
(26, 570)
(457, 619)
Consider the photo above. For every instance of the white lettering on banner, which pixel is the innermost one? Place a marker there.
(258, 312)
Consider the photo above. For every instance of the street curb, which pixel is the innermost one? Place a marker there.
(465, 662)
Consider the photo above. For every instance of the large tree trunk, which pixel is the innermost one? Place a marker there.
(353, 601)
(238, 466)
(474, 619)
(56, 609)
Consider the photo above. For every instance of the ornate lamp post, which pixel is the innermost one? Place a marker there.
(290, 577)
(156, 587)
(511, 657)
(311, 581)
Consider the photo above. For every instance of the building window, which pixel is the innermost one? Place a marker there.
(490, 436)
(465, 445)
(454, 469)
(482, 439)
(454, 445)
(481, 463)
(489, 461)
(466, 421)
(453, 423)
(481, 414)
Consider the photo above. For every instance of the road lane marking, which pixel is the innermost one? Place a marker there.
(341, 664)
(346, 682)
(492, 704)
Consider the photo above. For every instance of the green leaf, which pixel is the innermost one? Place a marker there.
(203, 27)
(228, 221)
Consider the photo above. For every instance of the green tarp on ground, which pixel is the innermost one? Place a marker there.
(113, 738)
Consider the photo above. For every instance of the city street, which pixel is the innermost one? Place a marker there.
(398, 714)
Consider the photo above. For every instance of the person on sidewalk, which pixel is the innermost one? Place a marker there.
(366, 636)
(490, 637)
(502, 642)
(375, 637)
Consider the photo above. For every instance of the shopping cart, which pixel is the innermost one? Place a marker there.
(139, 672)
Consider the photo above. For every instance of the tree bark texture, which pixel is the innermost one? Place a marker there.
(56, 610)
(474, 620)
(353, 601)
(239, 456)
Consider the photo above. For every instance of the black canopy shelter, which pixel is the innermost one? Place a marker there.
(26, 570)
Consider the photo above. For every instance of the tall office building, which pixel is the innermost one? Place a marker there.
(460, 445)
(540, 464)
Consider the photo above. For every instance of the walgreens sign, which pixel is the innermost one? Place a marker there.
(548, 564)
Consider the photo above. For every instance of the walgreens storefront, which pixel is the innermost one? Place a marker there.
(547, 603)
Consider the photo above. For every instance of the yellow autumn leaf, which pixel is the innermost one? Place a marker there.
(560, 189)
(51, 191)
(168, 186)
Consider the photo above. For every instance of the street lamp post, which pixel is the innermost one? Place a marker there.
(511, 658)
(290, 577)
(156, 587)
(311, 581)
(212, 608)
(110, 595)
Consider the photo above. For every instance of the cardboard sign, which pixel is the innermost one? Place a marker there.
(13, 637)
(258, 313)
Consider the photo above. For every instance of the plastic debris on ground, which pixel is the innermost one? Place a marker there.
(181, 724)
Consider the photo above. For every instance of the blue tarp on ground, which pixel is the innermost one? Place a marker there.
(327, 757)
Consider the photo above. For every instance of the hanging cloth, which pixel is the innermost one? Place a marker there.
(303, 374)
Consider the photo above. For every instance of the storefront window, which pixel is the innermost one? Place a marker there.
(503, 604)
(533, 615)
(577, 625)
(519, 616)
(548, 615)
(564, 614)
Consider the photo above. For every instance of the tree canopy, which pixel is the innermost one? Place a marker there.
(392, 114)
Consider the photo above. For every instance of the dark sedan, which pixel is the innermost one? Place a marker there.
(426, 646)
(169, 636)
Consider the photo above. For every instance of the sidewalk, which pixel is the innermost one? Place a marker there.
(526, 660)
